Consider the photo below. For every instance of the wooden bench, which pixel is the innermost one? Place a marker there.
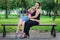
(53, 31)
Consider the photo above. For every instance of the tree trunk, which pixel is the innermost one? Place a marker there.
(55, 10)
(49, 13)
(9, 11)
(6, 9)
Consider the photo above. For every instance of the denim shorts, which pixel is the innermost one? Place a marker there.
(24, 18)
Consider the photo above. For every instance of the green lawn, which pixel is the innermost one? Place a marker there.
(44, 19)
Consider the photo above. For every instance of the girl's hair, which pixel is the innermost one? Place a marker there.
(38, 3)
(33, 8)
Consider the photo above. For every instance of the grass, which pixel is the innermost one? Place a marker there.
(43, 19)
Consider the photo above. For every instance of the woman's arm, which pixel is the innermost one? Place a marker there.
(37, 13)
(35, 20)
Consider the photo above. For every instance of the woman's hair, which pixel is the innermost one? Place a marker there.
(38, 3)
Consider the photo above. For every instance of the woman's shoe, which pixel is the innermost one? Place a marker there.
(23, 36)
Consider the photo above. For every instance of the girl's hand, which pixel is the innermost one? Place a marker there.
(29, 16)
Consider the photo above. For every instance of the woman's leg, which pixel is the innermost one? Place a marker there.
(23, 35)
(19, 24)
(27, 26)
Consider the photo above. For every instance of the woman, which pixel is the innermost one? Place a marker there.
(23, 19)
(34, 20)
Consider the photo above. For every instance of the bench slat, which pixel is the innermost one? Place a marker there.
(42, 24)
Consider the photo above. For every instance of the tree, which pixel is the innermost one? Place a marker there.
(12, 4)
(51, 5)
(6, 2)
(55, 10)
(48, 6)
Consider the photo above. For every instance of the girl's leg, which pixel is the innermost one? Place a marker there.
(19, 24)
(23, 26)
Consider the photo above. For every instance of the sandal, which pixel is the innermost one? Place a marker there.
(16, 35)
(23, 36)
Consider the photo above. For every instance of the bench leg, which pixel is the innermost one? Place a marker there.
(4, 31)
(53, 32)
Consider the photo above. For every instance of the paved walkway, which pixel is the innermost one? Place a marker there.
(34, 35)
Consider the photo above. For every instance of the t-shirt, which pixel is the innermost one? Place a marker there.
(28, 13)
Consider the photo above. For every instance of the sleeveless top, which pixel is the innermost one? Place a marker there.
(34, 13)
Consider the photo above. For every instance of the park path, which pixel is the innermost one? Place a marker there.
(34, 35)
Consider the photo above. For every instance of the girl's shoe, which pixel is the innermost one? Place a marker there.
(16, 35)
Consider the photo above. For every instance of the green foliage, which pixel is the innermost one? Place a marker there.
(2, 4)
(13, 4)
(47, 5)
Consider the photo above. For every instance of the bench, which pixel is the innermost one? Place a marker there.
(53, 31)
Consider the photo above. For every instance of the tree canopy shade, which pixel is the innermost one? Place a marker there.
(48, 5)
(2, 4)
(51, 5)
(12, 4)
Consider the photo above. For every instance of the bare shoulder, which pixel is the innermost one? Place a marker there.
(39, 10)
